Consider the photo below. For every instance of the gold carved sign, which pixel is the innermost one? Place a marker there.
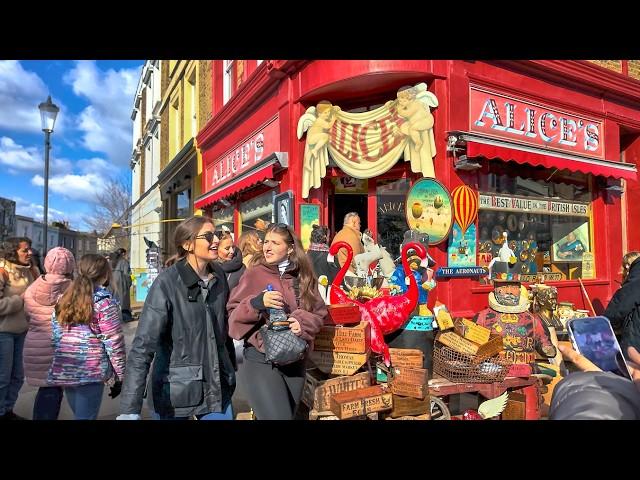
(367, 144)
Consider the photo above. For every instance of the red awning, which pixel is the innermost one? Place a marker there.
(536, 156)
(242, 183)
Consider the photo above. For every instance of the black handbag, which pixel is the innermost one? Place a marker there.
(281, 345)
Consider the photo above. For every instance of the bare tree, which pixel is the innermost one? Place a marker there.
(112, 206)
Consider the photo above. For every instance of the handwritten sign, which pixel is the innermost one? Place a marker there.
(420, 323)
(546, 277)
(462, 345)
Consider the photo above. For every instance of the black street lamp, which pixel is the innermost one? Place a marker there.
(48, 113)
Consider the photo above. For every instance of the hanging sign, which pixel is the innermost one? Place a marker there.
(428, 209)
(462, 272)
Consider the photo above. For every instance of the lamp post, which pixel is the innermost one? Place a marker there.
(48, 113)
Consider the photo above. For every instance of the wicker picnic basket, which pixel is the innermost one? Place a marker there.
(461, 368)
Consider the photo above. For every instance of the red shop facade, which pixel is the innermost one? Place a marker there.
(551, 147)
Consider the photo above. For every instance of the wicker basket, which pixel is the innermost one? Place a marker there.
(460, 368)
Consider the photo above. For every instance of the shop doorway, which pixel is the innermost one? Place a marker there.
(341, 204)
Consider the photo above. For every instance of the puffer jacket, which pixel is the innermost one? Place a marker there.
(184, 331)
(595, 396)
(624, 309)
(14, 280)
(89, 353)
(245, 319)
(39, 302)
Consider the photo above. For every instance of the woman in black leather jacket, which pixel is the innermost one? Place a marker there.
(184, 325)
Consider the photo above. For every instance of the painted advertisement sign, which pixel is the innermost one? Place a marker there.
(523, 121)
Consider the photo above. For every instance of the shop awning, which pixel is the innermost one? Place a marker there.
(243, 182)
(478, 146)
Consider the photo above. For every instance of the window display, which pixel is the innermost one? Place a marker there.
(391, 219)
(548, 224)
(257, 213)
(224, 218)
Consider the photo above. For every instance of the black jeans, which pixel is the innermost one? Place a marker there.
(47, 404)
(274, 392)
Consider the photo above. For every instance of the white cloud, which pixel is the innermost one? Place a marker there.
(36, 211)
(106, 122)
(72, 186)
(30, 159)
(21, 92)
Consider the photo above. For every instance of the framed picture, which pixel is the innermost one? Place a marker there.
(309, 215)
(570, 241)
(283, 208)
(429, 210)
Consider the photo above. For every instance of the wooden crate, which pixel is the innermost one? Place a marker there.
(460, 344)
(338, 363)
(318, 389)
(361, 402)
(516, 407)
(355, 339)
(342, 314)
(406, 357)
(403, 406)
(411, 417)
(409, 382)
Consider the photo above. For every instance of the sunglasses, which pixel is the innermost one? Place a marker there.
(210, 236)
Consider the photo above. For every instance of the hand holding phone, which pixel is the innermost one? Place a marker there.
(593, 338)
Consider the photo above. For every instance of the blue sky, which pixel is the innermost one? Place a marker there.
(92, 138)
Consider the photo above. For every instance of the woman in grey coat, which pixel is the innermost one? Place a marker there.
(122, 282)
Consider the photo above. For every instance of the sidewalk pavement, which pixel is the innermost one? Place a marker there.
(110, 408)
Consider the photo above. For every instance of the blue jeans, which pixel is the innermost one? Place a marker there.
(47, 403)
(85, 400)
(11, 370)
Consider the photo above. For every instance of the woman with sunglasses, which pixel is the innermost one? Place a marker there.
(274, 392)
(184, 326)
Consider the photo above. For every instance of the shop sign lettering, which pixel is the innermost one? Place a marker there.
(533, 205)
(252, 151)
(532, 123)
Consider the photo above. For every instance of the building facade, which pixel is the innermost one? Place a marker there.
(145, 163)
(7, 218)
(549, 149)
(185, 107)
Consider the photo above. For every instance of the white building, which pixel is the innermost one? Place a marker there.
(33, 229)
(145, 164)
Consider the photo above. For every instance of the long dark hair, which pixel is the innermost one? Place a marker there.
(308, 281)
(76, 305)
(186, 231)
(9, 248)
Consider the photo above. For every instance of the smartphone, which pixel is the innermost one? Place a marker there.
(593, 337)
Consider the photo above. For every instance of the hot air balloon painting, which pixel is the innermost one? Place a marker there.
(435, 213)
(465, 206)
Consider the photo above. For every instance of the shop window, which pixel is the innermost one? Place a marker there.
(257, 213)
(183, 203)
(547, 217)
(391, 219)
(224, 217)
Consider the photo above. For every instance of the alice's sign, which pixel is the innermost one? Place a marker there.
(245, 155)
(527, 122)
(461, 272)
(545, 206)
